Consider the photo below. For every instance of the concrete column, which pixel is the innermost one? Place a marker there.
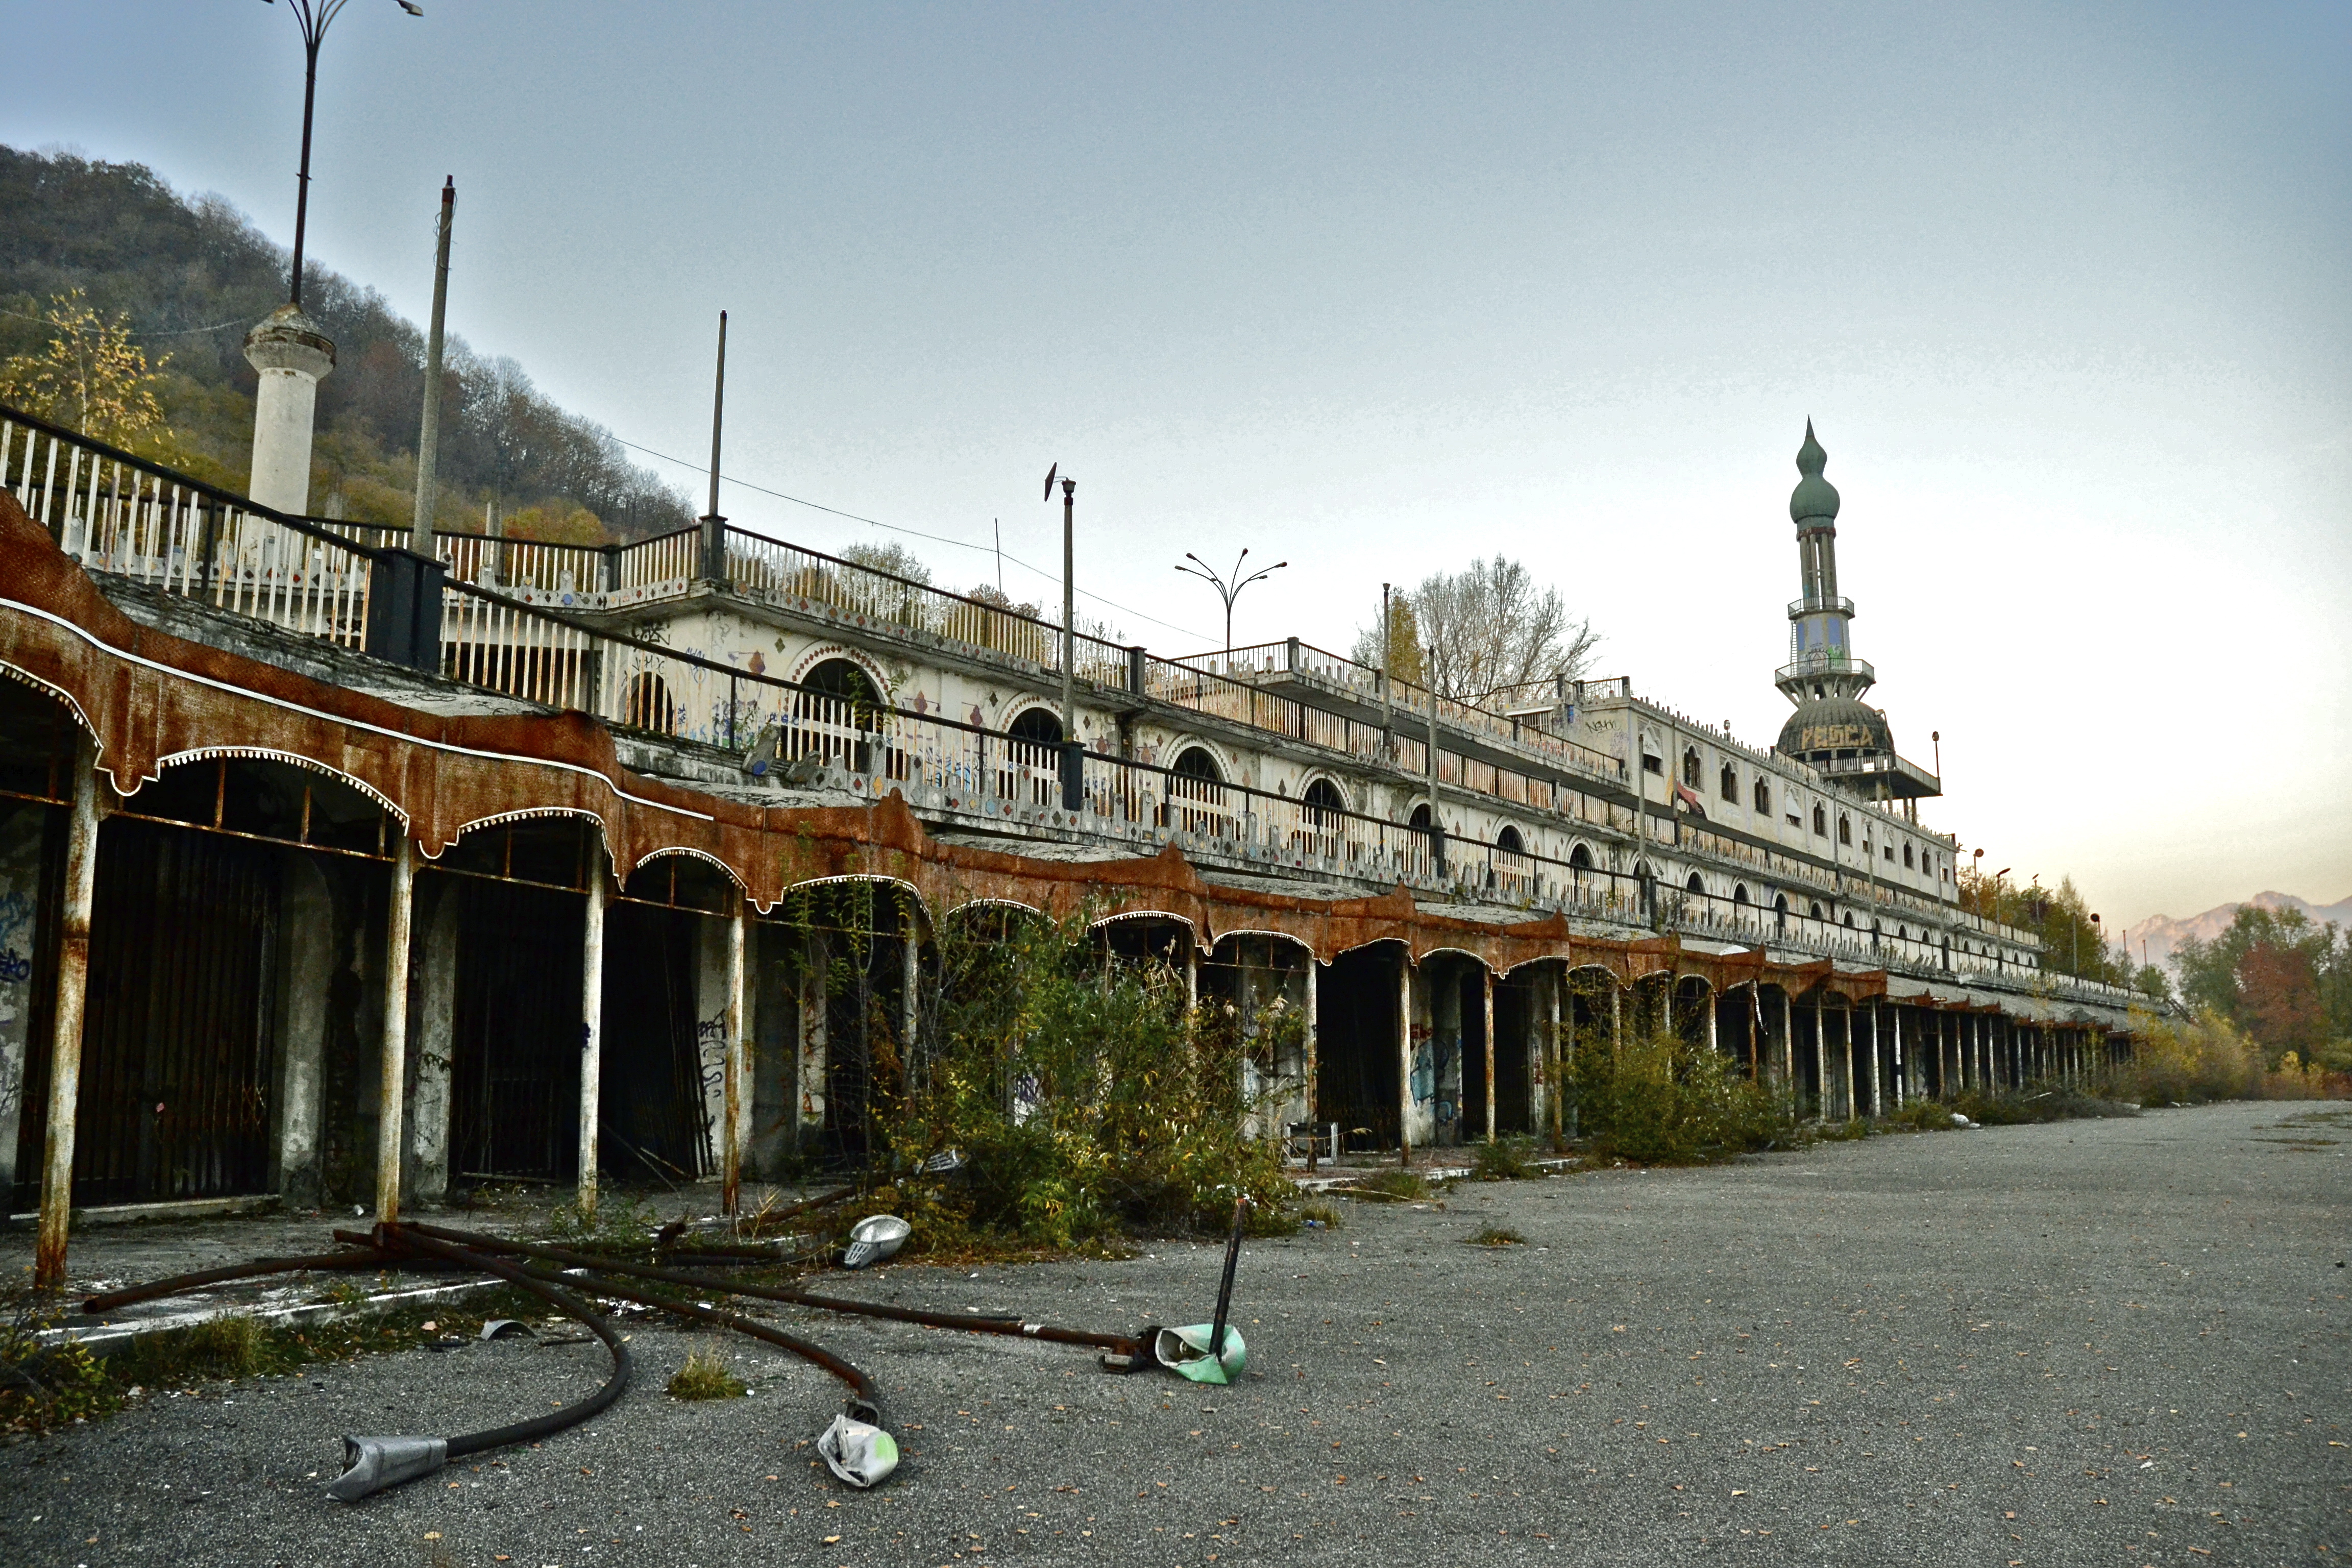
(1901, 1066)
(1314, 1057)
(393, 1081)
(437, 1005)
(713, 1016)
(1404, 1058)
(1714, 1010)
(1822, 1059)
(910, 998)
(67, 1014)
(1787, 1043)
(290, 355)
(735, 1099)
(22, 836)
(306, 963)
(1877, 1068)
(1853, 1105)
(591, 1030)
(814, 1056)
(1552, 1085)
(1486, 1000)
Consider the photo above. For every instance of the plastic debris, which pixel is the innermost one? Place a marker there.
(1185, 1353)
(506, 1329)
(859, 1452)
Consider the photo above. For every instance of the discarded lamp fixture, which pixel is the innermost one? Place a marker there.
(947, 1162)
(873, 1239)
(1212, 1351)
(506, 1329)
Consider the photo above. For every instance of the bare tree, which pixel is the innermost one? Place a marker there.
(1487, 631)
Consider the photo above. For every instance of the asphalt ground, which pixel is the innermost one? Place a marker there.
(2114, 1343)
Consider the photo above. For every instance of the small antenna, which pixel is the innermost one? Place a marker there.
(1057, 469)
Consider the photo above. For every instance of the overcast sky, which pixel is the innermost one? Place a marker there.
(1380, 289)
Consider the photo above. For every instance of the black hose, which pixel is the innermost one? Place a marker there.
(1225, 1289)
(538, 1426)
(866, 1404)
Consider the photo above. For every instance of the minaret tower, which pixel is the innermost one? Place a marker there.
(1821, 666)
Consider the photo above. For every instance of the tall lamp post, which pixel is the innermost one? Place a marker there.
(314, 16)
(1229, 589)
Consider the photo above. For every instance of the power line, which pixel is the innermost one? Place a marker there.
(916, 532)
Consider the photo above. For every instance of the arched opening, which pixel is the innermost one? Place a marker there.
(1040, 727)
(1322, 797)
(1196, 791)
(1907, 856)
(1821, 822)
(839, 706)
(1763, 798)
(1321, 807)
(1731, 783)
(1690, 767)
(1739, 892)
(1781, 911)
(1815, 909)
(647, 705)
(1509, 842)
(1845, 829)
(1696, 884)
(1848, 922)
(1580, 858)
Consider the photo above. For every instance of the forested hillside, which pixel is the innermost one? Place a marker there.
(189, 277)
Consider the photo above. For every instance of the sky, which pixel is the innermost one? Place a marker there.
(1379, 290)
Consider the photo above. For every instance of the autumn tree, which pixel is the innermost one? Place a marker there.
(1403, 657)
(1482, 633)
(2279, 976)
(92, 377)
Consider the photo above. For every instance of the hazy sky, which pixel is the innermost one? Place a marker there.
(1380, 289)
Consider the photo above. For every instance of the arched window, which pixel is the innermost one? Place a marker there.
(1763, 798)
(1849, 920)
(1907, 856)
(649, 706)
(1321, 799)
(1845, 830)
(1196, 762)
(1781, 911)
(1695, 885)
(1509, 842)
(1739, 892)
(854, 699)
(1042, 727)
(1731, 783)
(1580, 858)
(1690, 767)
(1820, 821)
(1817, 911)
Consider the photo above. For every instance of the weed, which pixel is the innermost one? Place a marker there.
(705, 1377)
(1919, 1116)
(1510, 1159)
(1320, 1212)
(45, 1386)
(1392, 1184)
(1498, 1236)
(1662, 1099)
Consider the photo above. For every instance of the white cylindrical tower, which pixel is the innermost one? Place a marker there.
(291, 354)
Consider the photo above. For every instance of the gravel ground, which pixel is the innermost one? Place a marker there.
(2112, 1343)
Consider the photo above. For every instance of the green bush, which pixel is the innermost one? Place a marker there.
(1509, 1159)
(1084, 1095)
(1660, 1100)
(1391, 1184)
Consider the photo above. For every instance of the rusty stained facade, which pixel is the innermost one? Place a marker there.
(594, 974)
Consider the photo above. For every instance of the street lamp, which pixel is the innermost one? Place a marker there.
(313, 16)
(1226, 591)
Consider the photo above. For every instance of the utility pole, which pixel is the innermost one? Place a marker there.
(1074, 776)
(714, 535)
(428, 440)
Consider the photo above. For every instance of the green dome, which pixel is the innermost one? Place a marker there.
(1814, 498)
(1819, 730)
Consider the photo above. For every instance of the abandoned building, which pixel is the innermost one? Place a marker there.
(337, 872)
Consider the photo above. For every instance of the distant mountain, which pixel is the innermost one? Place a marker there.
(191, 274)
(2163, 933)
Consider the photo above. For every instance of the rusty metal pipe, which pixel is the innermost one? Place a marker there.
(972, 1322)
(433, 1238)
(113, 1301)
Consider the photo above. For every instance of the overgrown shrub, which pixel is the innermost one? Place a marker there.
(704, 1376)
(43, 1386)
(1084, 1094)
(1659, 1100)
(1507, 1159)
(1393, 1183)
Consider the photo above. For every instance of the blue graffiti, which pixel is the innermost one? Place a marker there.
(1424, 1074)
(15, 968)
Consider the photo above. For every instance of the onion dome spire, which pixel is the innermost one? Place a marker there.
(1814, 497)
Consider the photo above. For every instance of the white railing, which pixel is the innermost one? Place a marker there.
(114, 513)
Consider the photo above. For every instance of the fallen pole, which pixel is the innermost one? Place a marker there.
(114, 1300)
